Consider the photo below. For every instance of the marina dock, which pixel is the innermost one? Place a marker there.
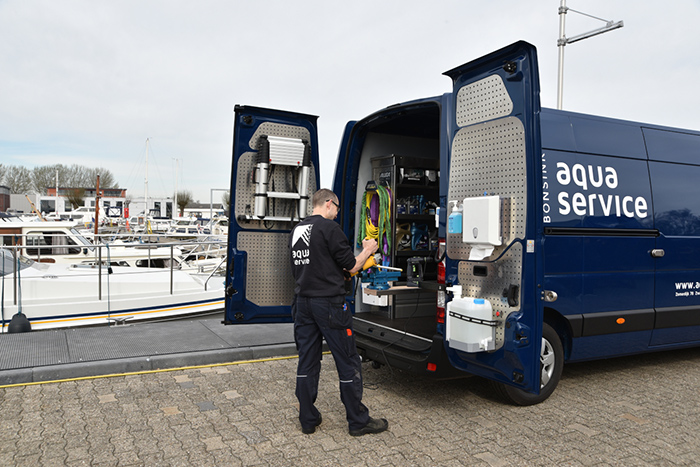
(91, 351)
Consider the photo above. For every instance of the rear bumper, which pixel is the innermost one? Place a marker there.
(409, 358)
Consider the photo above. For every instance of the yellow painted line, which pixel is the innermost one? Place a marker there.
(150, 372)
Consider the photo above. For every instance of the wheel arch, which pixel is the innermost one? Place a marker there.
(562, 327)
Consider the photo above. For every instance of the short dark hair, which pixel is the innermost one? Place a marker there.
(323, 195)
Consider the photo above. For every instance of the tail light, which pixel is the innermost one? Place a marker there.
(440, 305)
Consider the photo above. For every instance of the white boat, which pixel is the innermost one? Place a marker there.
(219, 226)
(185, 228)
(59, 295)
(83, 215)
(60, 242)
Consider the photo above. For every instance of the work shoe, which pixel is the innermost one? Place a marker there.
(375, 425)
(311, 430)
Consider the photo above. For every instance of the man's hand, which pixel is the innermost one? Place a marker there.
(370, 245)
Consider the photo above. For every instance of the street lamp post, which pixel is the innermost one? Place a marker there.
(211, 200)
(563, 40)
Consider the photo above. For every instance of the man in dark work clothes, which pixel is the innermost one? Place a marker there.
(320, 252)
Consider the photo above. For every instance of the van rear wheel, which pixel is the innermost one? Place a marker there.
(551, 366)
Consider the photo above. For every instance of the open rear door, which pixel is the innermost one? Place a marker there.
(493, 174)
(274, 175)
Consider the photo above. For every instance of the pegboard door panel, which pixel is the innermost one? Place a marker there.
(270, 281)
(490, 158)
(259, 282)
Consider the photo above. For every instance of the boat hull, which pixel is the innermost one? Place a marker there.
(76, 298)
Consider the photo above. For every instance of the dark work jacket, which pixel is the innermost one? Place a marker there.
(319, 251)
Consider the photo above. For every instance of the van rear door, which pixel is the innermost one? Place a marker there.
(274, 174)
(495, 153)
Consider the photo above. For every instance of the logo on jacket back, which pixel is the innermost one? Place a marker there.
(301, 236)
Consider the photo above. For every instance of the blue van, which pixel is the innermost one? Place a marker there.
(526, 237)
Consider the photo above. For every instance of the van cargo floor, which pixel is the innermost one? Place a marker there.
(422, 326)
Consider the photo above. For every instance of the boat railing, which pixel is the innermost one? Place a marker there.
(103, 261)
(157, 237)
(216, 269)
(64, 244)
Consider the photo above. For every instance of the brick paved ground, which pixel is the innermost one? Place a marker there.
(640, 410)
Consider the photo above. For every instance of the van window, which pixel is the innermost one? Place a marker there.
(672, 146)
(676, 198)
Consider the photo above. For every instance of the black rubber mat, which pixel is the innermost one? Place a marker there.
(138, 341)
(33, 349)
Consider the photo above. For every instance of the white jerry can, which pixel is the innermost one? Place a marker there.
(470, 325)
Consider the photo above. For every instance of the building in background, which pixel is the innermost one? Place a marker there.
(4, 198)
(113, 201)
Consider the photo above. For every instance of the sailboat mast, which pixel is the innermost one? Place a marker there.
(146, 186)
(177, 169)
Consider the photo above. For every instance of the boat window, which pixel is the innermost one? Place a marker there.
(154, 263)
(105, 263)
(81, 238)
(56, 243)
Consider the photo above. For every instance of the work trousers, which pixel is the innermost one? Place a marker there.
(321, 318)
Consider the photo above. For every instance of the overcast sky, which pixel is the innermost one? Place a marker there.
(87, 82)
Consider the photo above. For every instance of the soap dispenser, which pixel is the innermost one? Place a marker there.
(454, 222)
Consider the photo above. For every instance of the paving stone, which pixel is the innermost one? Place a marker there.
(206, 405)
(231, 394)
(630, 411)
(170, 410)
(214, 443)
(107, 398)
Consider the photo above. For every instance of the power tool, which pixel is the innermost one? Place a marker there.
(415, 269)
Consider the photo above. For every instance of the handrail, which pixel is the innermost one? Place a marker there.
(211, 249)
(212, 273)
(171, 268)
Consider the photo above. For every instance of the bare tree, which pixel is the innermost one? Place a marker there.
(184, 198)
(74, 176)
(226, 202)
(44, 177)
(76, 197)
(18, 179)
(106, 178)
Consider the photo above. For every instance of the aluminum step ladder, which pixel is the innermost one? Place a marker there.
(290, 152)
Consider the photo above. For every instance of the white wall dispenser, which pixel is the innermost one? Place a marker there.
(481, 225)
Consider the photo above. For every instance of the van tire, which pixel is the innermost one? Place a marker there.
(551, 347)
